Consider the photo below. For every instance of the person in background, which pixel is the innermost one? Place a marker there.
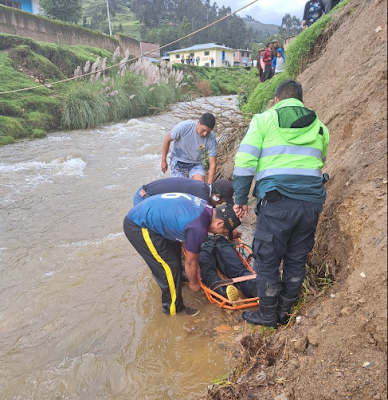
(327, 5)
(197, 60)
(313, 10)
(212, 62)
(221, 191)
(192, 139)
(182, 59)
(278, 61)
(159, 225)
(275, 46)
(284, 149)
(260, 64)
(267, 61)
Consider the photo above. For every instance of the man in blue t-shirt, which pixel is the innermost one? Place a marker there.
(221, 191)
(157, 226)
(191, 141)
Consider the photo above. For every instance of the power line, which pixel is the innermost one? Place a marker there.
(136, 58)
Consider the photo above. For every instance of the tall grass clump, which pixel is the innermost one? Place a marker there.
(132, 90)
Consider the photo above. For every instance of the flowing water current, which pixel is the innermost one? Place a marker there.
(80, 314)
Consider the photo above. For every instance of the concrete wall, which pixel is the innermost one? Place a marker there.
(42, 29)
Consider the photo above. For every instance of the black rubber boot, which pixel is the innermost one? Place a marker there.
(284, 307)
(265, 315)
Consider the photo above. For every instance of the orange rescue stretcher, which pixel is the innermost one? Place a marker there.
(245, 254)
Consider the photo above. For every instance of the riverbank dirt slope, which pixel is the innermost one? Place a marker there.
(338, 350)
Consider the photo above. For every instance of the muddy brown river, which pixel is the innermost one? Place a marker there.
(80, 314)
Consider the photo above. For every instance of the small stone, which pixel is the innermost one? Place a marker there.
(362, 275)
(345, 311)
(332, 295)
(362, 300)
(261, 377)
(313, 337)
(378, 29)
(281, 396)
(298, 319)
(300, 344)
(36, 80)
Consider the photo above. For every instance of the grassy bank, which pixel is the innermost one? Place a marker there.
(110, 96)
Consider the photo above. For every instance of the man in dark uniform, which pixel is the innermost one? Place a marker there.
(285, 149)
(157, 226)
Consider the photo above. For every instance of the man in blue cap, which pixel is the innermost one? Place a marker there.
(159, 225)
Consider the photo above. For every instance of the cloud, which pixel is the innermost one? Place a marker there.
(267, 12)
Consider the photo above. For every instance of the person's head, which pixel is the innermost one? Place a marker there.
(278, 54)
(275, 44)
(268, 45)
(289, 89)
(224, 221)
(205, 124)
(222, 192)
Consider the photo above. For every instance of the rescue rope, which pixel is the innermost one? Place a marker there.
(133, 59)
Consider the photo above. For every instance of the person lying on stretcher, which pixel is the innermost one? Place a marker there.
(218, 253)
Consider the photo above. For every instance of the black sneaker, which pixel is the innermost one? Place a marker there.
(190, 311)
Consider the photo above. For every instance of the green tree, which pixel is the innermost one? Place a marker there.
(64, 10)
(184, 29)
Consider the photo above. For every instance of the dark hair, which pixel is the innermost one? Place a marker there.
(289, 89)
(208, 120)
(268, 44)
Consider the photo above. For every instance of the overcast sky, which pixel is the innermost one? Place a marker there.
(266, 11)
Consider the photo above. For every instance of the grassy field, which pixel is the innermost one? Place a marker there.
(123, 18)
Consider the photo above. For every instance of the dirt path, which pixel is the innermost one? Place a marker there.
(339, 347)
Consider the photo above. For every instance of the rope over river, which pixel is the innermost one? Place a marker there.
(80, 314)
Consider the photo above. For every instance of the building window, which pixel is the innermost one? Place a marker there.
(13, 4)
(177, 56)
(207, 65)
(191, 54)
(248, 55)
(207, 53)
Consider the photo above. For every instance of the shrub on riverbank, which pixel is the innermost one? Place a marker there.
(134, 91)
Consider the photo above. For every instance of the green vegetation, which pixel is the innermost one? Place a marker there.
(300, 48)
(213, 81)
(64, 10)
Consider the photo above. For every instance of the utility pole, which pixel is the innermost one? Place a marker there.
(107, 9)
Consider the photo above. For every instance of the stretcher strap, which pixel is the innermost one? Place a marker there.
(218, 284)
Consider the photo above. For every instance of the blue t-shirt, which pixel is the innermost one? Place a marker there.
(176, 216)
(188, 146)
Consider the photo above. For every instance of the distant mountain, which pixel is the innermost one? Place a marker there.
(259, 26)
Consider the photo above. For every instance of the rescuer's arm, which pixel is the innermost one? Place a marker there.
(192, 270)
(212, 169)
(166, 147)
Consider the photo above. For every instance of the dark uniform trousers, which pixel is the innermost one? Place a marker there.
(218, 253)
(285, 230)
(163, 256)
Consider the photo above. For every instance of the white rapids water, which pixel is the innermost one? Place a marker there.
(80, 314)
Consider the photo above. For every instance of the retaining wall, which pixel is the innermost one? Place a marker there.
(20, 23)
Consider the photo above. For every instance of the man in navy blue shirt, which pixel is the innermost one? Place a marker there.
(221, 191)
(157, 226)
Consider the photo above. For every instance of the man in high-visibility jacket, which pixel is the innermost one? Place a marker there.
(285, 149)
